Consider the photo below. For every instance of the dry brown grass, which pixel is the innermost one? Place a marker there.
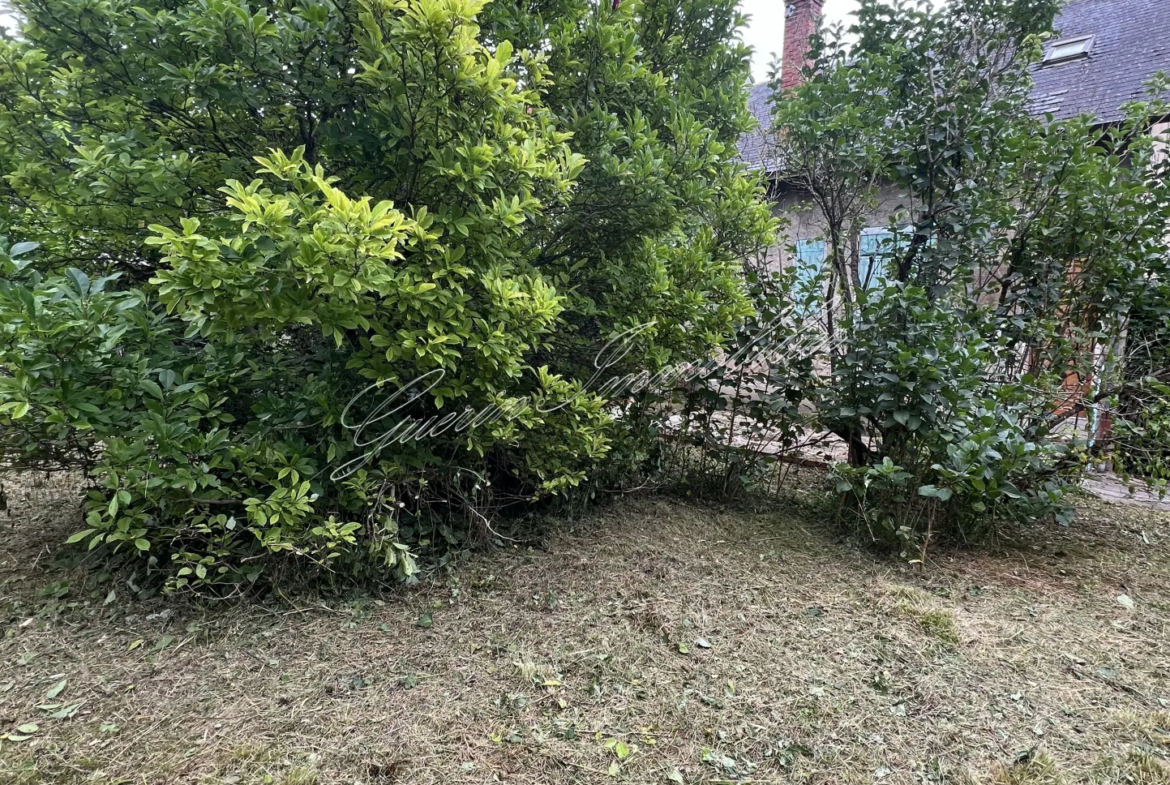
(652, 640)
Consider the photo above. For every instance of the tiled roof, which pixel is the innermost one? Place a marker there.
(1131, 41)
(754, 146)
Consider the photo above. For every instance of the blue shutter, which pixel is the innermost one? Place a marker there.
(876, 248)
(810, 257)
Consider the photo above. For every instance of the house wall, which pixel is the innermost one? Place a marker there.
(803, 221)
(1161, 132)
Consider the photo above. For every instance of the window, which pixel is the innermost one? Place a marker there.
(1068, 49)
(810, 255)
(1161, 134)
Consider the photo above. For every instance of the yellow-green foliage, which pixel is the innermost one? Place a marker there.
(258, 229)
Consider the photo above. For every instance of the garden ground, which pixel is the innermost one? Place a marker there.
(649, 642)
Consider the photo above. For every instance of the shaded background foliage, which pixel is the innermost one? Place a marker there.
(959, 361)
(1024, 248)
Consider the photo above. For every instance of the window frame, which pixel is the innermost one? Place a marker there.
(1051, 56)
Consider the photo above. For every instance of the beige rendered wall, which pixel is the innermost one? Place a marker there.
(1161, 132)
(804, 221)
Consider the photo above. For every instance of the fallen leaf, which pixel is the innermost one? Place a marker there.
(66, 713)
(56, 689)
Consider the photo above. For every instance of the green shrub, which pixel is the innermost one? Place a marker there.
(953, 448)
(1009, 264)
(323, 283)
(1142, 436)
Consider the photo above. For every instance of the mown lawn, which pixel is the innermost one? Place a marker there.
(653, 642)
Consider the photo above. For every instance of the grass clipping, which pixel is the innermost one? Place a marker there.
(653, 642)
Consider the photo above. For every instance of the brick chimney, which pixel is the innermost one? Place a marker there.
(800, 22)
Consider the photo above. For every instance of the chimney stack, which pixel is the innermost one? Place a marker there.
(800, 22)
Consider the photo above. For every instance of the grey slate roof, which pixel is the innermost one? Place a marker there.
(1131, 42)
(753, 147)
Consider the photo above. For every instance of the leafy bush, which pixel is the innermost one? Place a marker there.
(326, 282)
(1016, 253)
(952, 445)
(1143, 437)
